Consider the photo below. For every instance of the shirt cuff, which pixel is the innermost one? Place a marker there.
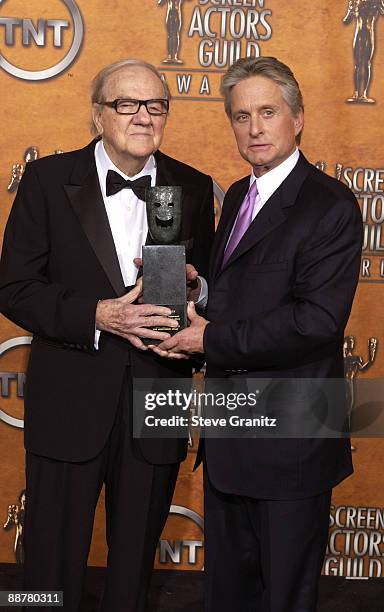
(201, 302)
(96, 340)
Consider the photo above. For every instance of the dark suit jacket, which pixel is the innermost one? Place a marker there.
(58, 260)
(278, 308)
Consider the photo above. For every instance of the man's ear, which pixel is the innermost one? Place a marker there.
(96, 117)
(299, 122)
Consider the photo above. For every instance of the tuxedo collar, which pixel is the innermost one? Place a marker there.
(85, 196)
(164, 174)
(84, 193)
(271, 215)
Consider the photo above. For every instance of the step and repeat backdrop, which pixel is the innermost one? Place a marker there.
(50, 50)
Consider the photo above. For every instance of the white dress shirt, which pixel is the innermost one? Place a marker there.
(269, 182)
(127, 216)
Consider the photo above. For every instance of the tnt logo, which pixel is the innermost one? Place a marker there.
(12, 383)
(30, 32)
(21, 33)
(179, 551)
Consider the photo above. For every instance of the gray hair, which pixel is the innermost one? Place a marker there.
(268, 67)
(99, 82)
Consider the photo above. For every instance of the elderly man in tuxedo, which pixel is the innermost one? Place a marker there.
(68, 276)
(283, 274)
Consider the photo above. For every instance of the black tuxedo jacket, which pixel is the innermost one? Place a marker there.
(278, 308)
(58, 260)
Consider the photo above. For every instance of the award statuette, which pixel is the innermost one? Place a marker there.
(366, 13)
(173, 21)
(164, 282)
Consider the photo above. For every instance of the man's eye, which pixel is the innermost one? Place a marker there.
(127, 104)
(268, 113)
(241, 118)
(157, 107)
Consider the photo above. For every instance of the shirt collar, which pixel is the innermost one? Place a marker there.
(269, 182)
(104, 163)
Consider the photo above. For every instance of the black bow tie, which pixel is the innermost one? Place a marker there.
(116, 182)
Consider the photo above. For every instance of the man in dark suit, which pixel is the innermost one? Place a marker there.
(67, 273)
(283, 274)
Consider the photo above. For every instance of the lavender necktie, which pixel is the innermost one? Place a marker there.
(243, 221)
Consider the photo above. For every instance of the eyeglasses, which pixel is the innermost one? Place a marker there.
(131, 107)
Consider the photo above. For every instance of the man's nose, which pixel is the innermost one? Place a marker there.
(255, 125)
(142, 116)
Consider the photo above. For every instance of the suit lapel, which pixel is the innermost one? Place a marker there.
(163, 174)
(86, 199)
(269, 218)
(229, 213)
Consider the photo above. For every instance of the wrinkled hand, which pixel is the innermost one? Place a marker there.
(187, 342)
(193, 283)
(131, 321)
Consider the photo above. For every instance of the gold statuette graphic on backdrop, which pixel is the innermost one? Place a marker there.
(321, 165)
(365, 13)
(30, 154)
(15, 519)
(173, 21)
(353, 366)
